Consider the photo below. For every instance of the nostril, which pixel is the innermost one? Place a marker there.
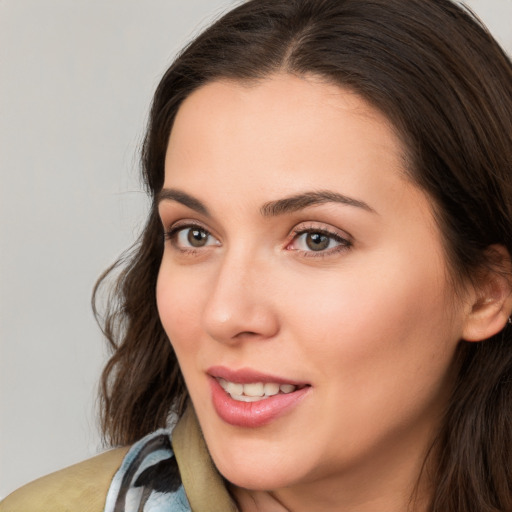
(246, 333)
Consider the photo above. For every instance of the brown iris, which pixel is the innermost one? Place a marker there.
(317, 241)
(197, 237)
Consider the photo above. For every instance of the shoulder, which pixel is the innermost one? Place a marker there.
(79, 488)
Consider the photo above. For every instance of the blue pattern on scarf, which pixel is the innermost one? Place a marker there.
(148, 479)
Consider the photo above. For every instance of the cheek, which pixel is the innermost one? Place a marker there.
(387, 290)
(178, 308)
(375, 323)
(380, 347)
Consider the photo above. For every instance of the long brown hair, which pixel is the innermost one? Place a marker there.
(446, 86)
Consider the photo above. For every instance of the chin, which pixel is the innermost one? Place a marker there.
(256, 468)
(253, 479)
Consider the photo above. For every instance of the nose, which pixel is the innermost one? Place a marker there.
(240, 304)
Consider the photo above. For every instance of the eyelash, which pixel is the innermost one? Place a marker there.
(343, 243)
(173, 232)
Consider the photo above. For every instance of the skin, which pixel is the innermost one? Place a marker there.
(371, 323)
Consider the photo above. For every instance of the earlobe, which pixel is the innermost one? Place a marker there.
(491, 305)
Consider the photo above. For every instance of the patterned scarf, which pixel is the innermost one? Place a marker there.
(148, 479)
(158, 475)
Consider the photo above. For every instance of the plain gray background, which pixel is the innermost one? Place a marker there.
(76, 79)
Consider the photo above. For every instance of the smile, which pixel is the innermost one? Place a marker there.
(250, 399)
(255, 391)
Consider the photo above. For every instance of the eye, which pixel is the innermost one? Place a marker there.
(315, 240)
(190, 237)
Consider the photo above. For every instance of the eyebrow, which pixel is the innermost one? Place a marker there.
(301, 201)
(171, 194)
(272, 208)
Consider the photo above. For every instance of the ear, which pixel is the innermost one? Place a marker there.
(491, 297)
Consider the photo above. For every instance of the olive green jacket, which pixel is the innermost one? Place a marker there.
(84, 486)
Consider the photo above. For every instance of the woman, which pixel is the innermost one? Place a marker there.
(322, 292)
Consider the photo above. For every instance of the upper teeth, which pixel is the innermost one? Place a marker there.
(254, 391)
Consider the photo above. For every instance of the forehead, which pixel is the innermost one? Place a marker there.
(284, 132)
(291, 106)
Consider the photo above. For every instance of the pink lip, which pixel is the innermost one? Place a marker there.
(248, 376)
(252, 414)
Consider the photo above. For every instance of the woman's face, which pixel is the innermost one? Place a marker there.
(300, 262)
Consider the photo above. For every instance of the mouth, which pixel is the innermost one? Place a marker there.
(249, 399)
(255, 391)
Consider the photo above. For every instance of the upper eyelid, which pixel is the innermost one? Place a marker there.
(185, 223)
(162, 214)
(326, 228)
(170, 212)
(334, 236)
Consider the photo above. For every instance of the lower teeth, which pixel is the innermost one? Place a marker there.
(243, 398)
